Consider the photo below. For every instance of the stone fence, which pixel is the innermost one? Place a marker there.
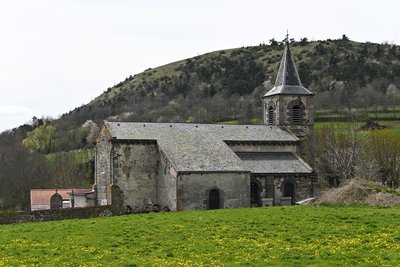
(52, 215)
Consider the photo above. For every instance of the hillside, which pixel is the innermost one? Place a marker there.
(228, 84)
(275, 236)
(221, 86)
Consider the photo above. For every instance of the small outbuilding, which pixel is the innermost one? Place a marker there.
(44, 199)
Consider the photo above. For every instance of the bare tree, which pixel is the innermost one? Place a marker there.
(337, 151)
(69, 172)
(380, 159)
(21, 171)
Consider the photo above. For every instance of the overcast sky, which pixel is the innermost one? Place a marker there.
(58, 55)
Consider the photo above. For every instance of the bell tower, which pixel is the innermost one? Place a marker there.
(289, 104)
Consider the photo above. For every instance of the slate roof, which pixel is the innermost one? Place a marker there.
(156, 131)
(199, 147)
(288, 80)
(274, 162)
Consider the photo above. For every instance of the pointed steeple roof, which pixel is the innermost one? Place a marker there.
(288, 80)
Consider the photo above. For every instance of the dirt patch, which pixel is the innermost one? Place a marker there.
(384, 199)
(395, 123)
(360, 192)
(372, 125)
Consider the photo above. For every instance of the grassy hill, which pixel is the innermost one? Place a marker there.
(351, 79)
(228, 84)
(278, 236)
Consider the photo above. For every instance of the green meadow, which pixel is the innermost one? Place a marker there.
(277, 236)
(392, 125)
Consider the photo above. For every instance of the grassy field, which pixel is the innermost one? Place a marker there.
(278, 236)
(393, 126)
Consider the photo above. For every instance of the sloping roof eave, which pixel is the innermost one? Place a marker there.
(212, 171)
(288, 90)
(274, 163)
(283, 173)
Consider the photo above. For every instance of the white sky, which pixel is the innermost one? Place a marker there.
(56, 55)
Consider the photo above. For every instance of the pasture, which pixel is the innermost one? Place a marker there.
(275, 236)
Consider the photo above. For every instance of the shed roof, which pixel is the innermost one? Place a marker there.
(274, 162)
(80, 192)
(42, 196)
(199, 147)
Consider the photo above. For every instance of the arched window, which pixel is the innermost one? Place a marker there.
(296, 112)
(271, 115)
(269, 110)
(296, 115)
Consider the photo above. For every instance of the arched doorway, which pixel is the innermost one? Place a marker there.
(289, 190)
(255, 189)
(214, 199)
(56, 201)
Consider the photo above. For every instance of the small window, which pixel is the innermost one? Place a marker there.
(296, 114)
(271, 116)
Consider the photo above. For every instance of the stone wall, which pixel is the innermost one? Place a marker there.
(193, 189)
(166, 183)
(103, 169)
(135, 167)
(282, 113)
(52, 215)
(272, 186)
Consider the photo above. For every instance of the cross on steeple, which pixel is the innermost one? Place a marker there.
(287, 73)
(288, 79)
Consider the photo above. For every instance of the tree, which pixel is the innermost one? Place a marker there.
(93, 131)
(380, 159)
(41, 139)
(337, 152)
(379, 51)
(71, 170)
(273, 43)
(241, 87)
(393, 50)
(303, 41)
(21, 171)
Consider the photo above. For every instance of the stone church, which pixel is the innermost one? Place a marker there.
(186, 166)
